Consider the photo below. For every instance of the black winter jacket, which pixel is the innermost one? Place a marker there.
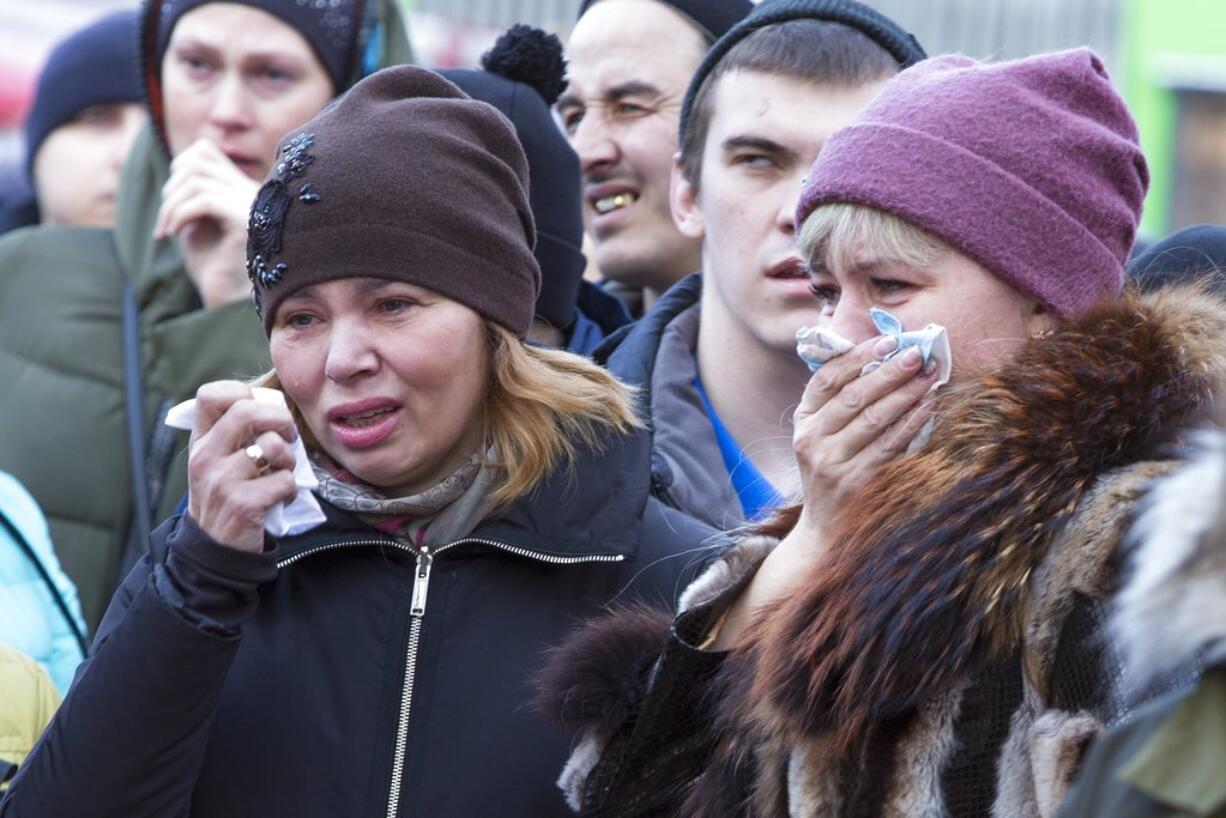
(340, 674)
(657, 355)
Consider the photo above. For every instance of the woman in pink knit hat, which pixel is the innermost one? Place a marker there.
(921, 634)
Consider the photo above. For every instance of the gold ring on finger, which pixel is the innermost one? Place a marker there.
(255, 453)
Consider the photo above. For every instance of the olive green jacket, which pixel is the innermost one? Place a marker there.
(63, 430)
(63, 426)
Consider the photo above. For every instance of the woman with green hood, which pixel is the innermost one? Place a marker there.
(101, 330)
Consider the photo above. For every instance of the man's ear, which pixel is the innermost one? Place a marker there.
(683, 200)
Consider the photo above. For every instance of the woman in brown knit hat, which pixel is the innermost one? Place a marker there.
(480, 494)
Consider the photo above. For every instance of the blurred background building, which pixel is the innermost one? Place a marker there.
(1168, 57)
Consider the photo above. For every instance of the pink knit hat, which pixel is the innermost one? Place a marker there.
(1030, 167)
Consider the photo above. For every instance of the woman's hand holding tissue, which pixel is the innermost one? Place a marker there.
(849, 425)
(240, 463)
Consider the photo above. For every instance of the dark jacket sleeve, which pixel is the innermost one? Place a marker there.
(649, 766)
(635, 688)
(130, 737)
(644, 696)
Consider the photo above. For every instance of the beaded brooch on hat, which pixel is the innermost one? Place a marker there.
(272, 204)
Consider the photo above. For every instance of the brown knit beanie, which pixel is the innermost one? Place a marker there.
(403, 178)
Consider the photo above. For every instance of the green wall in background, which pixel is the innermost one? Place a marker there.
(1152, 31)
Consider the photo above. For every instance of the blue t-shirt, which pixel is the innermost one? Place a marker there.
(758, 497)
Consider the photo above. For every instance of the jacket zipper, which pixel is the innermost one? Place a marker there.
(417, 610)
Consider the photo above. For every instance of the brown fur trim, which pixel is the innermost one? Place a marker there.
(734, 567)
(813, 781)
(780, 522)
(1040, 759)
(727, 785)
(924, 752)
(593, 680)
(583, 759)
(1014, 778)
(1058, 742)
(931, 576)
(1081, 561)
(770, 794)
(1174, 602)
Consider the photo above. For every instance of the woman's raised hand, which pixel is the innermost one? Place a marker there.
(240, 463)
(848, 426)
(206, 203)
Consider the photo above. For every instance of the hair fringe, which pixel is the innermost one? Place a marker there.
(839, 229)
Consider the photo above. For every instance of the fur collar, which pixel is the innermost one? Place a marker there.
(929, 585)
(1174, 603)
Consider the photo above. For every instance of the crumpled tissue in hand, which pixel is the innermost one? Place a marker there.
(817, 345)
(284, 519)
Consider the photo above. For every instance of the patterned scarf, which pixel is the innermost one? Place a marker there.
(450, 509)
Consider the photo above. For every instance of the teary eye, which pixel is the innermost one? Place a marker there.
(827, 293)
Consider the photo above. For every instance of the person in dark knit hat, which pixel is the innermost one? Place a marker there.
(331, 28)
(782, 80)
(1194, 253)
(629, 62)
(923, 633)
(85, 116)
(479, 494)
(224, 81)
(523, 74)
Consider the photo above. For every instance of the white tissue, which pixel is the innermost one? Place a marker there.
(284, 519)
(817, 345)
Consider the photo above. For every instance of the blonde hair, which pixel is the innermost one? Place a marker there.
(541, 405)
(839, 230)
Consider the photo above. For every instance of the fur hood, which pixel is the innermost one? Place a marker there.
(1173, 605)
(928, 586)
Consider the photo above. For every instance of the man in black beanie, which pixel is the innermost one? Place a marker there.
(523, 74)
(629, 62)
(716, 357)
(85, 117)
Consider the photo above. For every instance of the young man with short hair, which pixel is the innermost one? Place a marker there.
(628, 65)
(716, 356)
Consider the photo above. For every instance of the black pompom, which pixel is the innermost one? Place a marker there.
(531, 56)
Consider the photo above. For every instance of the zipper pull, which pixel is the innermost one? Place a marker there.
(421, 583)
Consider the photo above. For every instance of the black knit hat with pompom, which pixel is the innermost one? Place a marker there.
(531, 56)
(524, 74)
